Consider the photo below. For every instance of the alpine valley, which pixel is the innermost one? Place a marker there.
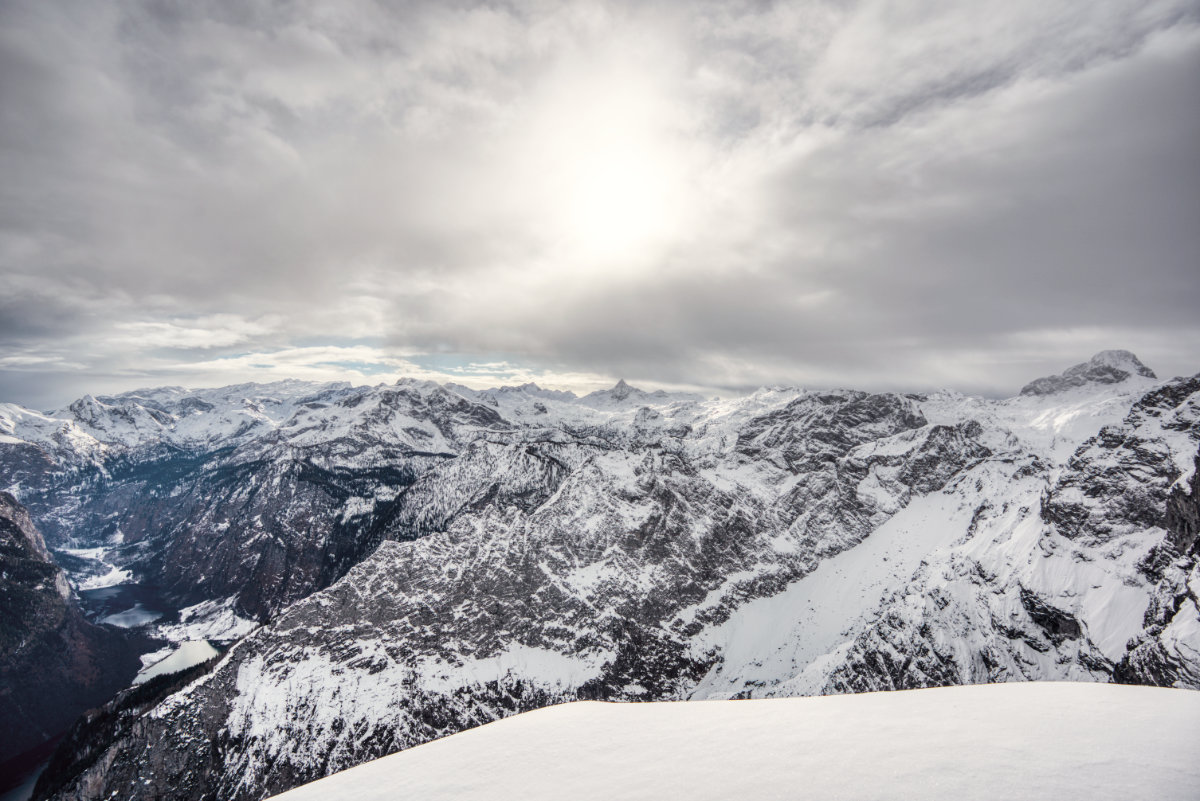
(344, 572)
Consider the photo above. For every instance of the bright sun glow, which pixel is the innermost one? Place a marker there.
(611, 175)
(618, 200)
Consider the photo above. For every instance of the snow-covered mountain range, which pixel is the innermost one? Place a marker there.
(425, 558)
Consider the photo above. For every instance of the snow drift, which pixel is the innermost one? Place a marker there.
(1021, 740)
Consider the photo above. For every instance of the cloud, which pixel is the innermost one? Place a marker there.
(870, 193)
(212, 331)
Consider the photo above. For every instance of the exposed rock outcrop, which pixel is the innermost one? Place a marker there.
(1167, 654)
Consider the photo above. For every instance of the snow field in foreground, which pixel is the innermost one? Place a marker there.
(1001, 741)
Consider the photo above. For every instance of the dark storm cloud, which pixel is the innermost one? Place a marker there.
(717, 195)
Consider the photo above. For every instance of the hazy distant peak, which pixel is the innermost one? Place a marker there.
(620, 392)
(530, 388)
(1106, 367)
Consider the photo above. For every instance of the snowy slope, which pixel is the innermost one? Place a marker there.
(792, 634)
(1023, 741)
(986, 522)
(1057, 582)
(192, 652)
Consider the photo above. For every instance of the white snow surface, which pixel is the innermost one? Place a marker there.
(98, 581)
(516, 661)
(1052, 426)
(133, 617)
(208, 620)
(185, 656)
(1026, 741)
(114, 577)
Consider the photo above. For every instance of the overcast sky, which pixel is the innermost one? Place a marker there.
(899, 195)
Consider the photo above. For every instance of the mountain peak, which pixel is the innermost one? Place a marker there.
(1122, 360)
(1106, 367)
(622, 390)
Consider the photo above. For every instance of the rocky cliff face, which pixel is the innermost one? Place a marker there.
(1165, 653)
(638, 546)
(53, 663)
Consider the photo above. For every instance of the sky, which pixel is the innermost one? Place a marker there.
(714, 196)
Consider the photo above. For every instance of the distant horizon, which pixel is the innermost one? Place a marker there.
(481, 386)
